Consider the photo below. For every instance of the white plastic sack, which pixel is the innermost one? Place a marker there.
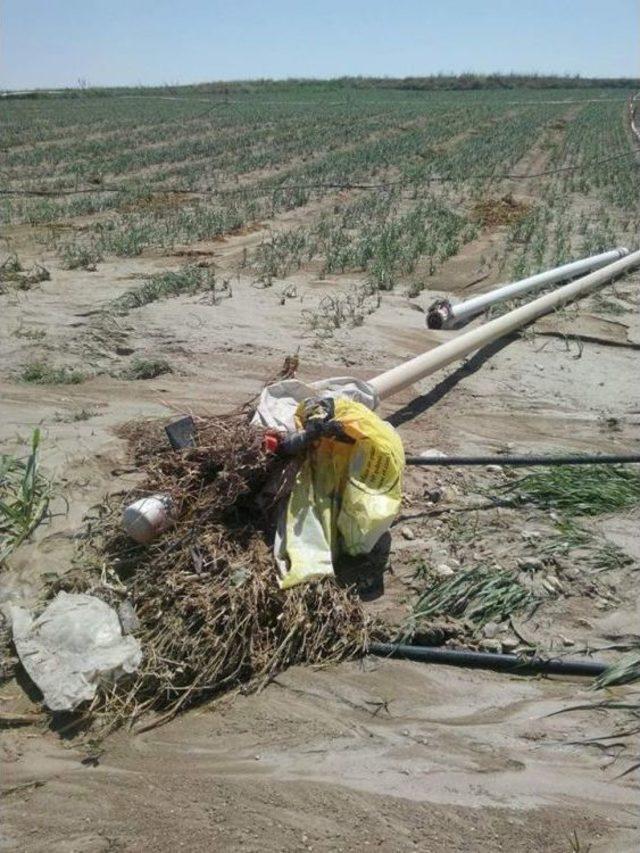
(73, 645)
(278, 402)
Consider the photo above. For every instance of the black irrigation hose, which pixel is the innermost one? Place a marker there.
(524, 461)
(489, 660)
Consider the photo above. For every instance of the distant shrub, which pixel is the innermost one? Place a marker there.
(41, 373)
(143, 368)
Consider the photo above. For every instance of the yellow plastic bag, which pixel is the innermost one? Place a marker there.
(344, 498)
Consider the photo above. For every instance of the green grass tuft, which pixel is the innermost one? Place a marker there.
(626, 670)
(147, 368)
(190, 279)
(595, 552)
(76, 256)
(24, 498)
(580, 489)
(479, 595)
(41, 373)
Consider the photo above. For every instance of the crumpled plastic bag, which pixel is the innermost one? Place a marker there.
(74, 645)
(278, 402)
(344, 498)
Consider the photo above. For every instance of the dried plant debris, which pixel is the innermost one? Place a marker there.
(13, 272)
(493, 212)
(211, 614)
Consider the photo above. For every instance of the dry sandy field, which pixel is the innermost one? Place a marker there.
(164, 254)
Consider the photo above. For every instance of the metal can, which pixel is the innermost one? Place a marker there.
(146, 518)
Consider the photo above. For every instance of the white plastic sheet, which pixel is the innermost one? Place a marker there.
(278, 402)
(73, 645)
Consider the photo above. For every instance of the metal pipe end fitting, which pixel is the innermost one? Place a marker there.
(439, 315)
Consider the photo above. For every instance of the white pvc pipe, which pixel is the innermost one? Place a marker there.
(405, 374)
(443, 315)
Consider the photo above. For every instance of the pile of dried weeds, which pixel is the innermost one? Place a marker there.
(211, 615)
(493, 212)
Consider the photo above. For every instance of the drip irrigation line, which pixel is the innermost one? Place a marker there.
(347, 185)
(489, 660)
(524, 461)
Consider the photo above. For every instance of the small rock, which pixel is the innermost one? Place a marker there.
(531, 534)
(525, 580)
(491, 630)
(509, 644)
(450, 493)
(494, 469)
(491, 646)
(444, 571)
(432, 453)
(530, 564)
(539, 367)
(129, 621)
(408, 533)
(554, 582)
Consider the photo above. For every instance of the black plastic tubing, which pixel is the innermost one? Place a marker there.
(489, 660)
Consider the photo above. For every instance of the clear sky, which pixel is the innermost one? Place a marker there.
(53, 43)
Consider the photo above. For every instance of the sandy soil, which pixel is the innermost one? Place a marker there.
(387, 756)
(383, 755)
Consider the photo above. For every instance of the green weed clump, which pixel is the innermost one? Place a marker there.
(580, 489)
(24, 498)
(190, 279)
(479, 595)
(349, 308)
(624, 671)
(75, 256)
(147, 368)
(596, 553)
(41, 373)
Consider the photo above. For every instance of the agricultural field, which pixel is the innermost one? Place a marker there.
(164, 253)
